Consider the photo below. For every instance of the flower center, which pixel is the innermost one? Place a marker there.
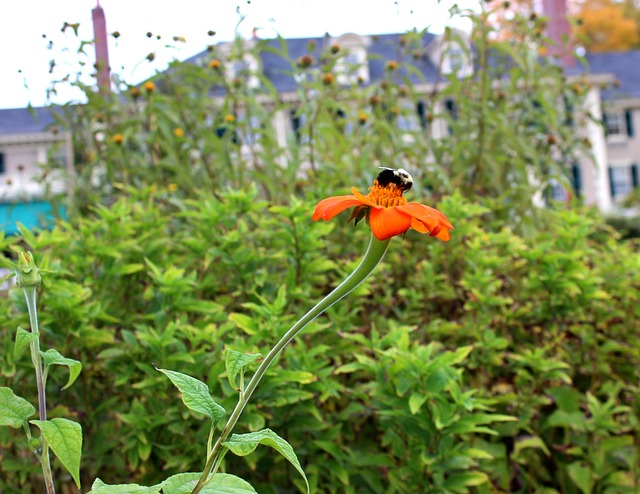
(388, 196)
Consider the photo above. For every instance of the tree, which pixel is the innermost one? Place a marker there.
(606, 25)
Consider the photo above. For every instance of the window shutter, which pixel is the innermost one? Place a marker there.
(611, 184)
(628, 116)
(576, 179)
(451, 108)
(634, 175)
(295, 124)
(606, 125)
(420, 109)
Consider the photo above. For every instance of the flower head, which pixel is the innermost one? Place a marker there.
(386, 209)
(327, 79)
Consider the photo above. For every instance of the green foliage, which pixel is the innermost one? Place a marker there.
(505, 360)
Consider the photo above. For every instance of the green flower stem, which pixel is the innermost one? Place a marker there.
(372, 257)
(30, 295)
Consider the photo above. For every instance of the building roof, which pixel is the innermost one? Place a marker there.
(276, 61)
(26, 120)
(624, 65)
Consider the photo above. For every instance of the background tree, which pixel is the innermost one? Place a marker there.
(607, 25)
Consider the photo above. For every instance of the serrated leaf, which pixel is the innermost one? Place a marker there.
(416, 400)
(451, 358)
(53, 357)
(65, 440)
(99, 487)
(245, 444)
(23, 340)
(458, 482)
(244, 322)
(195, 395)
(236, 362)
(222, 483)
(14, 410)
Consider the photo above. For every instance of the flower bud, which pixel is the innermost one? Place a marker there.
(27, 272)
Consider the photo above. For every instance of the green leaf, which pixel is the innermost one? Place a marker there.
(126, 269)
(416, 400)
(53, 357)
(195, 395)
(451, 358)
(582, 476)
(99, 487)
(529, 442)
(65, 440)
(245, 444)
(222, 483)
(14, 411)
(23, 340)
(236, 362)
(458, 482)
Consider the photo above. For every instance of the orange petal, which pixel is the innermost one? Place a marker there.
(388, 222)
(444, 234)
(363, 199)
(418, 225)
(435, 222)
(331, 206)
(425, 214)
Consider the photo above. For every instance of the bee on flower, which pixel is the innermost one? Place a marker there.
(386, 210)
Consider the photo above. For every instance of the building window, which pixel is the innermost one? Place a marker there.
(557, 191)
(614, 125)
(2, 168)
(622, 179)
(618, 123)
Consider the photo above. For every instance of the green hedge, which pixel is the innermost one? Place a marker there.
(492, 360)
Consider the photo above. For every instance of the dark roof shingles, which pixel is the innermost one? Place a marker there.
(25, 120)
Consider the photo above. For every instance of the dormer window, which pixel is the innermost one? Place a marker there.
(244, 69)
(241, 63)
(352, 67)
(455, 60)
(452, 53)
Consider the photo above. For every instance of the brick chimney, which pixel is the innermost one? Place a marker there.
(102, 50)
(559, 31)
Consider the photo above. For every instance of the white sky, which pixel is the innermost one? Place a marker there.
(25, 56)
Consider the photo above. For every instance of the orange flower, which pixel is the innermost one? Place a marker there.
(386, 209)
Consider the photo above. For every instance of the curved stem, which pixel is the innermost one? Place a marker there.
(372, 257)
(30, 296)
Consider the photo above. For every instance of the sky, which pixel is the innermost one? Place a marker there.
(31, 34)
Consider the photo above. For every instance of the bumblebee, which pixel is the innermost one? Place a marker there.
(399, 177)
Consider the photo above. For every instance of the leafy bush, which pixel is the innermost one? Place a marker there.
(502, 361)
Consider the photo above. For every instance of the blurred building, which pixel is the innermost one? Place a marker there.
(603, 178)
(29, 139)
